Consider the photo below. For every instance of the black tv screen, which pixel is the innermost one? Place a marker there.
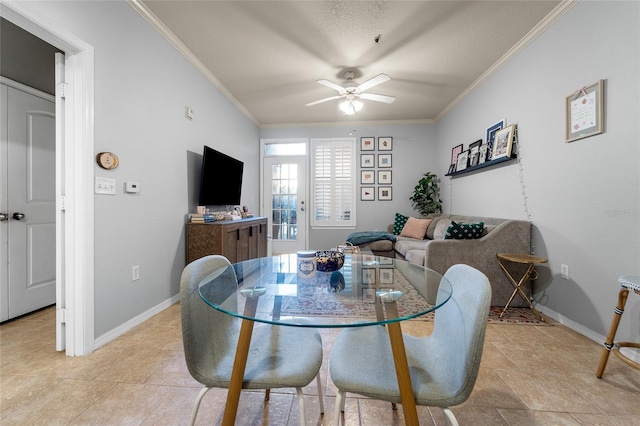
(221, 179)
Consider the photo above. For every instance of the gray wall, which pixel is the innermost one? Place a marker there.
(583, 197)
(413, 154)
(142, 85)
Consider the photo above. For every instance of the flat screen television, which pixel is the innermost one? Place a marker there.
(221, 179)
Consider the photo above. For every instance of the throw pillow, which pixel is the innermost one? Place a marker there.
(398, 223)
(464, 231)
(415, 228)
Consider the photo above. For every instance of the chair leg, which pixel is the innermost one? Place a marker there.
(339, 408)
(301, 405)
(196, 405)
(320, 398)
(608, 344)
(449, 418)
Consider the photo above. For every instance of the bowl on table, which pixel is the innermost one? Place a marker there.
(329, 260)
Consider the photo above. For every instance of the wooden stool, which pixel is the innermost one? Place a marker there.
(526, 259)
(627, 282)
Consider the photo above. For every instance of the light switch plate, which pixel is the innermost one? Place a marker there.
(105, 186)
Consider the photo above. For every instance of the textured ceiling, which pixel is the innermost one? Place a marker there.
(267, 55)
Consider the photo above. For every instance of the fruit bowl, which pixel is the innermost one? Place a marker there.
(329, 260)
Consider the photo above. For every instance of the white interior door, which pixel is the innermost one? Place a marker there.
(30, 207)
(285, 203)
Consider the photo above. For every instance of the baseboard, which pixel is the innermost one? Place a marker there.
(578, 328)
(133, 322)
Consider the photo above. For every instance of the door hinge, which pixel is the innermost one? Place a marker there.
(62, 88)
(61, 315)
(63, 207)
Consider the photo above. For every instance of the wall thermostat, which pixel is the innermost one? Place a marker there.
(131, 187)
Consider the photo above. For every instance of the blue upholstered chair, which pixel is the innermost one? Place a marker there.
(444, 366)
(279, 356)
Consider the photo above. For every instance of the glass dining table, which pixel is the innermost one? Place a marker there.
(366, 291)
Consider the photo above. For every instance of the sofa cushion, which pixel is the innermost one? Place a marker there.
(415, 228)
(441, 228)
(464, 231)
(432, 227)
(403, 245)
(416, 257)
(398, 223)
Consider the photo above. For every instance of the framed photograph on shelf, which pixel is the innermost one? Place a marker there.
(503, 142)
(463, 161)
(367, 176)
(367, 144)
(482, 153)
(368, 275)
(367, 193)
(384, 193)
(367, 160)
(385, 143)
(384, 160)
(474, 153)
(454, 156)
(385, 276)
(384, 177)
(491, 134)
(584, 110)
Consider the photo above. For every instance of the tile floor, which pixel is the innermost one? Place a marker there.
(530, 375)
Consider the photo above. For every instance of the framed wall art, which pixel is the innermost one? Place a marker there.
(367, 144)
(368, 275)
(503, 142)
(585, 111)
(369, 295)
(385, 143)
(491, 134)
(385, 275)
(474, 153)
(367, 193)
(367, 176)
(384, 177)
(384, 193)
(367, 160)
(384, 160)
(462, 161)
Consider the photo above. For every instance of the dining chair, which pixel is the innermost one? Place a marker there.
(443, 366)
(279, 356)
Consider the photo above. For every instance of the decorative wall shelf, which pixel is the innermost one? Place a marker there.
(482, 166)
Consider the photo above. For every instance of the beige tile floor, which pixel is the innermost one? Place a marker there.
(530, 375)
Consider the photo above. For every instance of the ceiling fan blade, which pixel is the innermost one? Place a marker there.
(331, 85)
(323, 100)
(379, 79)
(380, 98)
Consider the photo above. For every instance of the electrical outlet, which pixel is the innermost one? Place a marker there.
(564, 271)
(135, 273)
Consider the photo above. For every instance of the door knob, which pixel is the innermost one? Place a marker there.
(3, 216)
(18, 216)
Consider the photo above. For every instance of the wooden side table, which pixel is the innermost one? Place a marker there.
(525, 259)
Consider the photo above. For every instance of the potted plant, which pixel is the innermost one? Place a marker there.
(425, 196)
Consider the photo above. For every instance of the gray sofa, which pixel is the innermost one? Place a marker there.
(499, 236)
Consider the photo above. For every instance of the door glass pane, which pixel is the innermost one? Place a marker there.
(284, 183)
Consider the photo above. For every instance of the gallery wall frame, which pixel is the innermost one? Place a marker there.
(585, 112)
(367, 144)
(385, 143)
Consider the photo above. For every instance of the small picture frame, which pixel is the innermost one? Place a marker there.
(503, 142)
(384, 177)
(369, 295)
(385, 275)
(585, 111)
(368, 259)
(367, 193)
(482, 153)
(385, 143)
(452, 169)
(367, 160)
(367, 144)
(367, 176)
(369, 276)
(384, 160)
(474, 153)
(491, 133)
(463, 161)
(384, 193)
(454, 156)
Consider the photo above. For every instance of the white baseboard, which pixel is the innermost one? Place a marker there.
(578, 328)
(133, 322)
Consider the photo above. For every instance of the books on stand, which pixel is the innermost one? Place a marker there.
(202, 218)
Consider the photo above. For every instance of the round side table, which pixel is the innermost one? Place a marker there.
(525, 259)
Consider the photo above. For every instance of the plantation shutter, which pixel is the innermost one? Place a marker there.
(334, 182)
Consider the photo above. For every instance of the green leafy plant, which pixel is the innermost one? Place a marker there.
(426, 195)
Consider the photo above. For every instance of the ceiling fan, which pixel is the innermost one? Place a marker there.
(353, 92)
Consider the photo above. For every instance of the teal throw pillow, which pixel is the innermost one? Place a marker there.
(398, 223)
(464, 231)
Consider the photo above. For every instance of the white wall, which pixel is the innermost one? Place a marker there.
(142, 85)
(413, 155)
(583, 197)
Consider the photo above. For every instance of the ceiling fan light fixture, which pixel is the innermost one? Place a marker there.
(351, 106)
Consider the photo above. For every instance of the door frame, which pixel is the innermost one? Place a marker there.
(74, 161)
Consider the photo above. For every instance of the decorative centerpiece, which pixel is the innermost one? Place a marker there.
(329, 260)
